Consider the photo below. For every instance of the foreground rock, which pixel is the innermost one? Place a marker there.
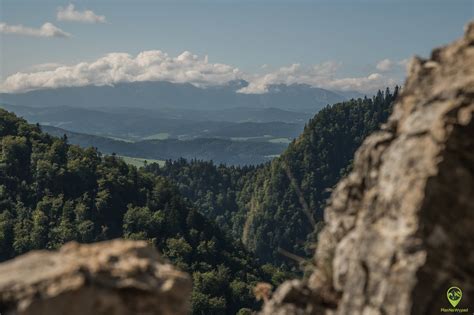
(114, 278)
(400, 229)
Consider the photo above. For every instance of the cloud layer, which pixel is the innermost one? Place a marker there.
(46, 30)
(113, 68)
(322, 75)
(70, 14)
(155, 65)
(385, 65)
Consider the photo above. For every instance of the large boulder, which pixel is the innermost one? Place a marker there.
(114, 278)
(400, 228)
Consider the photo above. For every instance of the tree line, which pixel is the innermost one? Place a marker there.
(52, 192)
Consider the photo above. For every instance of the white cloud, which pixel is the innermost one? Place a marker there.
(385, 65)
(46, 30)
(321, 75)
(369, 83)
(70, 14)
(155, 65)
(295, 73)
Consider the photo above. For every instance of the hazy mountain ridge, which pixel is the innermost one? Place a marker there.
(134, 124)
(161, 94)
(145, 111)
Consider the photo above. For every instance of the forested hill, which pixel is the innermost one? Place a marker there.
(52, 192)
(213, 189)
(284, 200)
(274, 207)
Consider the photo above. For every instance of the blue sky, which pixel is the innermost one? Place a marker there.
(352, 35)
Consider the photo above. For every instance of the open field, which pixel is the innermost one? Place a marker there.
(139, 162)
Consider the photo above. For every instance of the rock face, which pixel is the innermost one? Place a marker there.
(400, 228)
(114, 278)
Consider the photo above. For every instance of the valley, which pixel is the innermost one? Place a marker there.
(236, 157)
(250, 192)
(163, 120)
(219, 150)
(237, 136)
(82, 192)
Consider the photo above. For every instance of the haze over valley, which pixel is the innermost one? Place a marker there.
(149, 119)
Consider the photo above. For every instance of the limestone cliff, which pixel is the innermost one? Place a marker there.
(114, 278)
(400, 228)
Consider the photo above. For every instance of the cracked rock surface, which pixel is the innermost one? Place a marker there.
(400, 228)
(115, 278)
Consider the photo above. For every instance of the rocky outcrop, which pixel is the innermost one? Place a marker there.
(400, 228)
(114, 278)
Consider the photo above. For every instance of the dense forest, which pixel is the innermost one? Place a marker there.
(226, 225)
(283, 202)
(52, 192)
(213, 189)
(276, 208)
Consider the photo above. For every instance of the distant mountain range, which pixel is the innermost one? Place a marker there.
(163, 120)
(161, 95)
(144, 124)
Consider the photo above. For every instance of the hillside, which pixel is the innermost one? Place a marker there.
(213, 189)
(52, 192)
(283, 202)
(274, 206)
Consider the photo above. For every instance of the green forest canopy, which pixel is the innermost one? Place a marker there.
(278, 206)
(217, 222)
(52, 192)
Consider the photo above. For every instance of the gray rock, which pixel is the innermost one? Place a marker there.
(116, 278)
(400, 228)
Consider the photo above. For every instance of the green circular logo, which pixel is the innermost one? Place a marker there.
(454, 295)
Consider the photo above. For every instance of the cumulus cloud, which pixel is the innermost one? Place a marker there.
(70, 14)
(46, 30)
(385, 65)
(371, 82)
(322, 75)
(155, 65)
